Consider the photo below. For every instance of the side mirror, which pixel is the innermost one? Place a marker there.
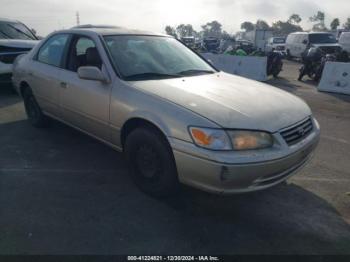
(305, 42)
(91, 73)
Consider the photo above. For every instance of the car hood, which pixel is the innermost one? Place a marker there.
(231, 101)
(15, 43)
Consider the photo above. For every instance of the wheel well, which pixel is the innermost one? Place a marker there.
(23, 86)
(134, 123)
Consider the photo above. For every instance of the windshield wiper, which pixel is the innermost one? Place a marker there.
(150, 75)
(196, 72)
(20, 31)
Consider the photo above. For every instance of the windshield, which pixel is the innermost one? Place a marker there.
(153, 57)
(322, 39)
(279, 40)
(12, 30)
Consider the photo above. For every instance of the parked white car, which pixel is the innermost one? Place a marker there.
(344, 41)
(276, 43)
(297, 43)
(15, 39)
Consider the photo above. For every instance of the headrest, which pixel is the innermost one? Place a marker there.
(92, 57)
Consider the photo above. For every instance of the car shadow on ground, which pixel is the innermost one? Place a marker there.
(65, 193)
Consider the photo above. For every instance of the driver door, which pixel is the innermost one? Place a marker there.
(85, 103)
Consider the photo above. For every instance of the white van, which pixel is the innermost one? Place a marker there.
(297, 43)
(344, 41)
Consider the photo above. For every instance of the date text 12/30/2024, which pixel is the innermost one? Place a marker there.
(173, 258)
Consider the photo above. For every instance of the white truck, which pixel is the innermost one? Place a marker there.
(15, 39)
(259, 38)
(344, 41)
(276, 43)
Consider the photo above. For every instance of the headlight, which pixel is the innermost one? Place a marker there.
(249, 140)
(214, 139)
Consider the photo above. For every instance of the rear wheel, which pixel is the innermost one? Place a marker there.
(151, 162)
(277, 69)
(33, 110)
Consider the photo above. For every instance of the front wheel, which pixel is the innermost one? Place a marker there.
(151, 162)
(33, 110)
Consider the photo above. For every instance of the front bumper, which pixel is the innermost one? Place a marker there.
(5, 79)
(5, 68)
(5, 74)
(230, 178)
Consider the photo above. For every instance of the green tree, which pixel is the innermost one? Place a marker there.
(262, 25)
(169, 30)
(335, 23)
(294, 19)
(226, 35)
(248, 26)
(213, 29)
(319, 20)
(282, 28)
(185, 30)
(346, 25)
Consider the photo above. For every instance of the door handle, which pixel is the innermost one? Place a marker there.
(64, 85)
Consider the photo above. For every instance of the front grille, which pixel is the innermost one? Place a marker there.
(330, 49)
(8, 58)
(297, 133)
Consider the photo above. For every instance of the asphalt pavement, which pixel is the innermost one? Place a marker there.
(62, 192)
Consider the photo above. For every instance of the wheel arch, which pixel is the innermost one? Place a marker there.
(138, 122)
(22, 87)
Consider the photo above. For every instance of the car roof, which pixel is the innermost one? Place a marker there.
(104, 30)
(318, 33)
(299, 33)
(309, 33)
(8, 20)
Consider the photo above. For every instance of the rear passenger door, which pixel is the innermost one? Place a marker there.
(44, 75)
(85, 103)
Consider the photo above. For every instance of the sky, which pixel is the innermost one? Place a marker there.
(46, 16)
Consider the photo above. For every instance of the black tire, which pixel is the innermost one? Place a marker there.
(289, 57)
(151, 162)
(277, 70)
(33, 110)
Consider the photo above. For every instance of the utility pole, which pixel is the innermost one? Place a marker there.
(78, 18)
